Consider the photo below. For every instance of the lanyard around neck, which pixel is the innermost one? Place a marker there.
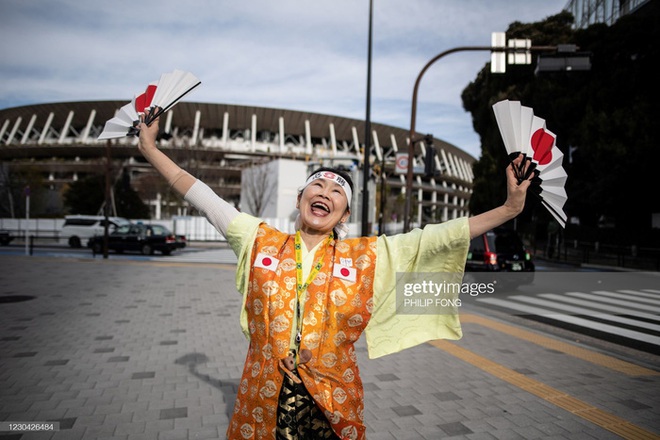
(300, 287)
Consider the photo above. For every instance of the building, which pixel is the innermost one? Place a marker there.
(218, 142)
(588, 12)
(271, 189)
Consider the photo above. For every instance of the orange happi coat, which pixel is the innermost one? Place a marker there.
(336, 311)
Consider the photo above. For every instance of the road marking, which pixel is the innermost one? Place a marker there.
(606, 328)
(565, 401)
(583, 312)
(646, 293)
(570, 349)
(595, 305)
(618, 302)
(630, 296)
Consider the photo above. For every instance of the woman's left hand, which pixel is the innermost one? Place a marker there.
(516, 192)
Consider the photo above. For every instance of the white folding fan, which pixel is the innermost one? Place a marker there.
(523, 132)
(158, 97)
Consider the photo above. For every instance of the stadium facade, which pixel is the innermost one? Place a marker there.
(217, 142)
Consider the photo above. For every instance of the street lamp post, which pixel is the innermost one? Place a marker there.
(413, 114)
(367, 134)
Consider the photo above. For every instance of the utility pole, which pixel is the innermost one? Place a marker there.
(367, 136)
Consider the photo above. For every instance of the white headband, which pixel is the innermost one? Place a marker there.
(329, 175)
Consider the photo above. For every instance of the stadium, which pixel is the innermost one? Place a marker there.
(220, 144)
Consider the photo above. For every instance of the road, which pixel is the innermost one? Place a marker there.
(618, 310)
(140, 347)
(137, 350)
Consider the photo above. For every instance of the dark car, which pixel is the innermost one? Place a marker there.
(501, 250)
(77, 229)
(139, 238)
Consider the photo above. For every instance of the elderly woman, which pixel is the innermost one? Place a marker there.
(308, 296)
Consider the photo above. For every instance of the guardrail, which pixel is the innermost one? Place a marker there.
(596, 253)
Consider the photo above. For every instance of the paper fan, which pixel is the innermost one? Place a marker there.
(523, 132)
(158, 97)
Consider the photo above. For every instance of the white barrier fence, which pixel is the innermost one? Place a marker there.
(47, 227)
(195, 228)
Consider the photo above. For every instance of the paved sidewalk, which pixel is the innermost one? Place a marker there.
(113, 349)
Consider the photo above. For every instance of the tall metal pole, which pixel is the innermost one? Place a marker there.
(367, 136)
(106, 205)
(27, 220)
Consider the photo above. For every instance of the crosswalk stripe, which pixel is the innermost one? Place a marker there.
(605, 328)
(627, 297)
(642, 294)
(584, 312)
(595, 305)
(623, 303)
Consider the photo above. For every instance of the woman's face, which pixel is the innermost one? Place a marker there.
(322, 205)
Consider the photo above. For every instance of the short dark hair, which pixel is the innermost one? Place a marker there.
(342, 172)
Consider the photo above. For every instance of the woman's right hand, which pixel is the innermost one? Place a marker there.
(148, 133)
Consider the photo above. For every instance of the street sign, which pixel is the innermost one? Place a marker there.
(521, 56)
(401, 166)
(498, 58)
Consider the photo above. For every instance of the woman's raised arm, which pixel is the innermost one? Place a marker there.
(514, 204)
(216, 210)
(179, 179)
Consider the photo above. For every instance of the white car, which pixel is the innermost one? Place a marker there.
(78, 229)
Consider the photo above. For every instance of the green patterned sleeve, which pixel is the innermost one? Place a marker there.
(438, 248)
(241, 234)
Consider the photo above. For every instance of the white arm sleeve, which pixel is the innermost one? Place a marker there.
(216, 210)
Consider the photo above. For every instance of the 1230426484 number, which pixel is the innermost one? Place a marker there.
(28, 426)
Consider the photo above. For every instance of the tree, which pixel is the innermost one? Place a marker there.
(258, 187)
(127, 200)
(13, 187)
(604, 119)
(87, 196)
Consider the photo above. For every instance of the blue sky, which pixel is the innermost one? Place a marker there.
(292, 54)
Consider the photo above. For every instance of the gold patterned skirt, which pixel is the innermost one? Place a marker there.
(298, 416)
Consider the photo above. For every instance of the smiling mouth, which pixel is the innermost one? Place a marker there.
(321, 206)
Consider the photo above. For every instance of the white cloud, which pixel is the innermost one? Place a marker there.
(295, 54)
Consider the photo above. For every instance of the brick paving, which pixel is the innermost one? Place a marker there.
(122, 349)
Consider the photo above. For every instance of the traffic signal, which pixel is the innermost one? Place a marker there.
(429, 159)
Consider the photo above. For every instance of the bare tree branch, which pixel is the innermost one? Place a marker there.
(259, 186)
